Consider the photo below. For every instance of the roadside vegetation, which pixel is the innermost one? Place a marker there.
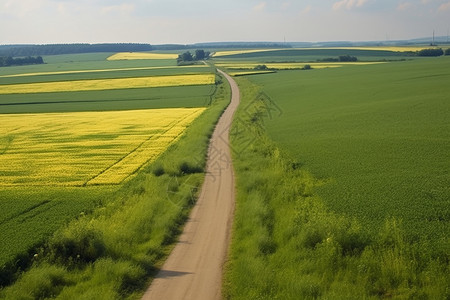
(288, 244)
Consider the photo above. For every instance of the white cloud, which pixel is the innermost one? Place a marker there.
(444, 7)
(306, 10)
(348, 4)
(260, 7)
(123, 8)
(285, 5)
(404, 6)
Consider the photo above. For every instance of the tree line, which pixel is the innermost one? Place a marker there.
(6, 61)
(433, 52)
(53, 49)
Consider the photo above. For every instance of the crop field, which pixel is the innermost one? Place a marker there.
(310, 55)
(379, 134)
(316, 50)
(343, 183)
(103, 85)
(108, 84)
(85, 148)
(243, 73)
(291, 66)
(75, 130)
(100, 71)
(141, 55)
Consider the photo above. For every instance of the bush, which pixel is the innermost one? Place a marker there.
(187, 168)
(261, 68)
(447, 51)
(158, 170)
(431, 52)
(39, 283)
(80, 243)
(347, 58)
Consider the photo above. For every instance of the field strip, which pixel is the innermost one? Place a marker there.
(108, 84)
(289, 66)
(22, 212)
(75, 149)
(141, 55)
(97, 71)
(234, 52)
(243, 73)
(393, 49)
(133, 161)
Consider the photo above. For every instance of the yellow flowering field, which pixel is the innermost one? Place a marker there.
(234, 52)
(141, 55)
(85, 148)
(108, 84)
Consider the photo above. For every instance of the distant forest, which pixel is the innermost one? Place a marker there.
(53, 49)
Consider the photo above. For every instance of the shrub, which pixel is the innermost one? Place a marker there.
(80, 243)
(430, 52)
(158, 170)
(261, 67)
(447, 51)
(347, 58)
(188, 168)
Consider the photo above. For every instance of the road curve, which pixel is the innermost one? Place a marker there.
(194, 268)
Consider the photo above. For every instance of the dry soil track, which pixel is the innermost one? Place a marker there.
(194, 268)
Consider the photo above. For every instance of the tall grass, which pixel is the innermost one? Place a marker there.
(113, 252)
(287, 244)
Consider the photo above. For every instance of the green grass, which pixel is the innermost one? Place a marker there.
(162, 97)
(379, 135)
(29, 216)
(288, 243)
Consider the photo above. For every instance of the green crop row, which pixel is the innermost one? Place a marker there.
(378, 134)
(288, 244)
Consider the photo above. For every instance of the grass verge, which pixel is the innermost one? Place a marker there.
(287, 244)
(112, 252)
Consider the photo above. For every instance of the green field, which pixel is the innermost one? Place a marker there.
(380, 135)
(343, 183)
(40, 224)
(309, 55)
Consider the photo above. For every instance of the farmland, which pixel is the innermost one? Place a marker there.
(79, 138)
(84, 148)
(308, 54)
(342, 177)
(361, 137)
(107, 84)
(141, 55)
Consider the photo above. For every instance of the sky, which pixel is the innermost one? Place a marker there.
(193, 21)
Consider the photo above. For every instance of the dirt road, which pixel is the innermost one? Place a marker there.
(194, 268)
